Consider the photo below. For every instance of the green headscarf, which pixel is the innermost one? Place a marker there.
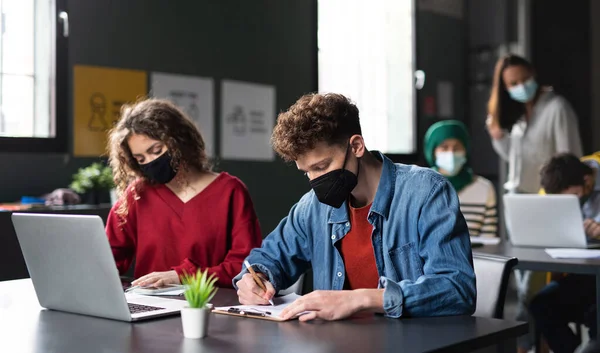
(438, 133)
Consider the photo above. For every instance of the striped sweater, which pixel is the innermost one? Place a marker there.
(478, 205)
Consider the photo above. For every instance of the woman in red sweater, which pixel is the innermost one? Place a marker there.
(174, 214)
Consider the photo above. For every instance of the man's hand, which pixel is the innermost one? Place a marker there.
(334, 304)
(592, 228)
(157, 279)
(249, 293)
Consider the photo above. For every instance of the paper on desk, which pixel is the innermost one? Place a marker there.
(275, 310)
(565, 253)
(175, 291)
(485, 241)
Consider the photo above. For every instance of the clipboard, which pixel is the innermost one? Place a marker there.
(261, 312)
(251, 315)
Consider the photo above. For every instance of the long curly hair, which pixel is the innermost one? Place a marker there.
(160, 120)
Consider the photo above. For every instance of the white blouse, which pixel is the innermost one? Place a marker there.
(553, 128)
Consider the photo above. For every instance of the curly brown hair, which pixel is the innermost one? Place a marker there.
(331, 118)
(159, 120)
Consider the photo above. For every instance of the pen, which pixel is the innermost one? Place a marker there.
(250, 313)
(256, 279)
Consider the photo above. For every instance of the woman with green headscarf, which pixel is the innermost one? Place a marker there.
(447, 151)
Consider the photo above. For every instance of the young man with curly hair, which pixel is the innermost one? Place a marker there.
(379, 236)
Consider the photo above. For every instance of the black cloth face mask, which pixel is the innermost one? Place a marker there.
(159, 170)
(334, 187)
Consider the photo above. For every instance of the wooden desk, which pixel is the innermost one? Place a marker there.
(536, 259)
(25, 327)
(12, 264)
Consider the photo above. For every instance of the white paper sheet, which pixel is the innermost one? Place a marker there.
(485, 241)
(247, 120)
(194, 95)
(171, 292)
(564, 253)
(274, 310)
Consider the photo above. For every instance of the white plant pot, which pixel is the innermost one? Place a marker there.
(113, 196)
(195, 321)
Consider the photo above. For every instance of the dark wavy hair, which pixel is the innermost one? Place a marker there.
(159, 120)
(563, 171)
(331, 118)
(505, 111)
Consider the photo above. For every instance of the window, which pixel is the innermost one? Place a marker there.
(30, 48)
(366, 52)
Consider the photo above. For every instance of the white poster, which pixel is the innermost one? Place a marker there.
(194, 95)
(247, 120)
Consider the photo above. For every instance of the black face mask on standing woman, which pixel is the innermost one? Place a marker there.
(334, 187)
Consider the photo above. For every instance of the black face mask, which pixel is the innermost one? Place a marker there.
(334, 188)
(159, 170)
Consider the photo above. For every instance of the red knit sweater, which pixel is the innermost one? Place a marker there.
(215, 230)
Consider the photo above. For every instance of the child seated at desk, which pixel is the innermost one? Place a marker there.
(571, 298)
(174, 215)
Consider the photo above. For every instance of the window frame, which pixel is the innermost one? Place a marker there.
(58, 143)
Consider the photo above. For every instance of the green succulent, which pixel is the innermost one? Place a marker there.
(199, 289)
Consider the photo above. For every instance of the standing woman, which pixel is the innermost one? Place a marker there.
(174, 215)
(447, 150)
(528, 124)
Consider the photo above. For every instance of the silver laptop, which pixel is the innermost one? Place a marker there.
(72, 269)
(549, 221)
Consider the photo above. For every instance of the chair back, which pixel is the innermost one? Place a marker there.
(492, 273)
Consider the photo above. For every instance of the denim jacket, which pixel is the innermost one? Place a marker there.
(420, 241)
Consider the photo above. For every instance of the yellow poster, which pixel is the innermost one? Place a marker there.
(98, 94)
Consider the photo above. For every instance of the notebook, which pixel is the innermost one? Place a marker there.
(263, 312)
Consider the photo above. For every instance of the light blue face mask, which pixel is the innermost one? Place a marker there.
(450, 162)
(524, 92)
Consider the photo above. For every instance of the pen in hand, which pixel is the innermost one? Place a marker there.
(257, 279)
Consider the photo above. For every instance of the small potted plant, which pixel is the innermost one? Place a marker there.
(199, 289)
(92, 181)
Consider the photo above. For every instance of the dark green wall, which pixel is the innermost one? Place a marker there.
(271, 42)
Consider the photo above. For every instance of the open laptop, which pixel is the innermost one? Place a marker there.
(549, 221)
(72, 269)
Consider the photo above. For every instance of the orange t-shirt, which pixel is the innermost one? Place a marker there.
(357, 251)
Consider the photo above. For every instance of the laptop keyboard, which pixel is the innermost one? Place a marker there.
(137, 308)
